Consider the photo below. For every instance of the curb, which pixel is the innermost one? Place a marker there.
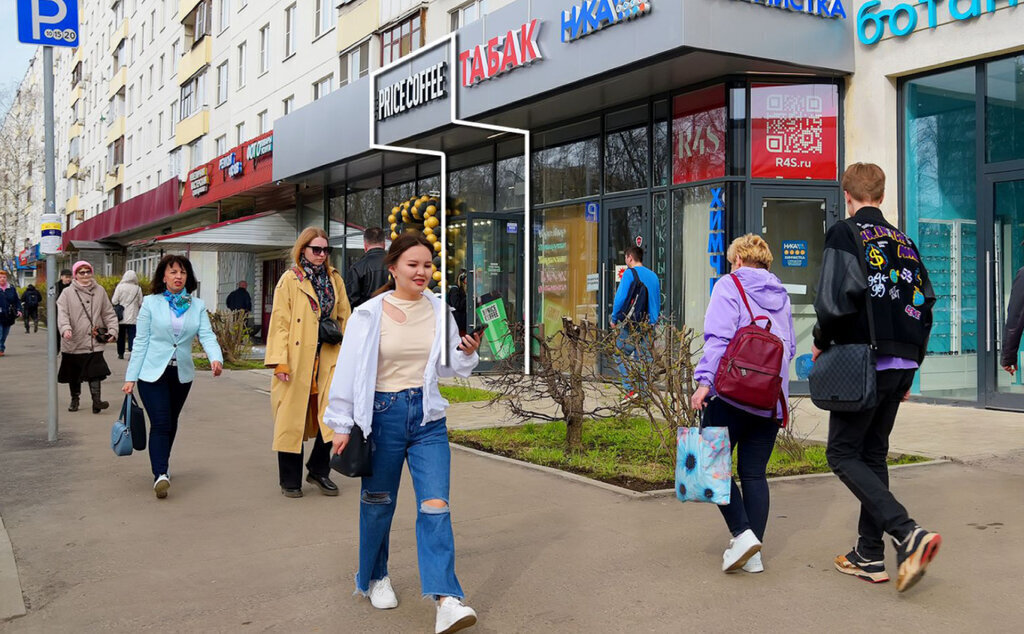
(657, 493)
(12, 603)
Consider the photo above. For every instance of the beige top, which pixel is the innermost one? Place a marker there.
(404, 347)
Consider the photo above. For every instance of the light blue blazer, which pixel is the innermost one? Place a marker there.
(155, 343)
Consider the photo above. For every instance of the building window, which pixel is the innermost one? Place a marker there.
(288, 104)
(131, 99)
(161, 74)
(289, 31)
(240, 133)
(128, 150)
(468, 13)
(324, 17)
(174, 163)
(195, 152)
(160, 128)
(198, 23)
(355, 63)
(222, 83)
(263, 121)
(193, 95)
(323, 87)
(171, 119)
(401, 39)
(225, 14)
(241, 65)
(264, 49)
(222, 144)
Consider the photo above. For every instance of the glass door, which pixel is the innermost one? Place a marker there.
(1004, 255)
(625, 223)
(793, 221)
(495, 258)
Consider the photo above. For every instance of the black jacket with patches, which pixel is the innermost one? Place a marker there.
(897, 280)
(365, 276)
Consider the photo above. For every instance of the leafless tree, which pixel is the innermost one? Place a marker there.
(21, 155)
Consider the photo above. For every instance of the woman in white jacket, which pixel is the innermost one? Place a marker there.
(127, 295)
(392, 355)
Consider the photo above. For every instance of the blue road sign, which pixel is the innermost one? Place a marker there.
(48, 22)
(592, 212)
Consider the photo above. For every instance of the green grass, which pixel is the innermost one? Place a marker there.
(203, 363)
(463, 394)
(625, 453)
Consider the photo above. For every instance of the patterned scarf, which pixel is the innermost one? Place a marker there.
(179, 302)
(321, 281)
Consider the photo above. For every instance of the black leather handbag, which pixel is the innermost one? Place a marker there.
(136, 421)
(843, 377)
(354, 461)
(330, 331)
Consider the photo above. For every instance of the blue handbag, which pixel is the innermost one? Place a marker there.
(703, 465)
(121, 432)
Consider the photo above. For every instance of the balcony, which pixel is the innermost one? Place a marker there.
(72, 168)
(113, 180)
(77, 59)
(194, 60)
(119, 35)
(116, 129)
(72, 205)
(185, 7)
(360, 22)
(118, 81)
(190, 129)
(77, 94)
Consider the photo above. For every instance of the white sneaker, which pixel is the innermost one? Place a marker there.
(382, 595)
(754, 564)
(453, 615)
(161, 485)
(741, 548)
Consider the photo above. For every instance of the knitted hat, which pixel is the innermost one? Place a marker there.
(78, 265)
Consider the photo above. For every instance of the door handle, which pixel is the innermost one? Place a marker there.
(988, 301)
(603, 298)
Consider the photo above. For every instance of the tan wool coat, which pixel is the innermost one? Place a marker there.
(291, 348)
(72, 313)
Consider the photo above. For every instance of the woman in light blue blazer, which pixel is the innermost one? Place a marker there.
(161, 361)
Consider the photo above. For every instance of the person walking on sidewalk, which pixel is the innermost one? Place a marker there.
(901, 300)
(10, 310)
(1014, 324)
(86, 321)
(751, 431)
(368, 273)
(637, 303)
(127, 295)
(303, 362)
(392, 353)
(161, 364)
(30, 300)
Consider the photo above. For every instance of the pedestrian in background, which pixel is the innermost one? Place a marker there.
(161, 364)
(240, 299)
(127, 295)
(30, 300)
(392, 361)
(86, 321)
(751, 431)
(901, 300)
(10, 310)
(368, 273)
(1014, 324)
(64, 281)
(303, 364)
(457, 300)
(631, 311)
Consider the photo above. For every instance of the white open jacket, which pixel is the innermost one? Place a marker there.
(350, 401)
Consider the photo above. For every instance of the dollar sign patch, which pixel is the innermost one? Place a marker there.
(875, 258)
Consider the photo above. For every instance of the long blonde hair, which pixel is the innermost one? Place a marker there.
(308, 235)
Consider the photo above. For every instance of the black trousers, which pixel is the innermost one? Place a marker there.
(858, 444)
(163, 400)
(290, 464)
(125, 338)
(31, 313)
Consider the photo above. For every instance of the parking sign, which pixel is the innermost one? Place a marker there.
(48, 22)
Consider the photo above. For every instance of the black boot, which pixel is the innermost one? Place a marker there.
(97, 404)
(73, 407)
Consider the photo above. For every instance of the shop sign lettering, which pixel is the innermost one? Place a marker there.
(822, 8)
(233, 167)
(259, 149)
(501, 54)
(590, 16)
(199, 181)
(420, 89)
(716, 237)
(902, 18)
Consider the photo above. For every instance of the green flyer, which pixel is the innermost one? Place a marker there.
(490, 310)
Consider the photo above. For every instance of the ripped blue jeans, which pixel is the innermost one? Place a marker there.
(398, 435)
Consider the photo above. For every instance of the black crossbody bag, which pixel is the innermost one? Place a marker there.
(843, 377)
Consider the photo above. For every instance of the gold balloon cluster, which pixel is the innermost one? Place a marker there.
(421, 213)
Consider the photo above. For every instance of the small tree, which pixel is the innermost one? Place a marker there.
(564, 370)
(232, 334)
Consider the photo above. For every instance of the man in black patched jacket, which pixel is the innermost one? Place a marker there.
(368, 273)
(901, 300)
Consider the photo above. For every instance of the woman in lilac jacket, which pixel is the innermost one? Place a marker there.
(751, 431)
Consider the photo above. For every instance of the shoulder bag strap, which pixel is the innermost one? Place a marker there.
(84, 310)
(743, 296)
(862, 258)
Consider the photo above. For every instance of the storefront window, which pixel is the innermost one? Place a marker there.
(662, 163)
(940, 186)
(626, 150)
(364, 209)
(472, 188)
(794, 131)
(691, 268)
(510, 183)
(1004, 110)
(563, 169)
(568, 275)
(698, 135)
(395, 195)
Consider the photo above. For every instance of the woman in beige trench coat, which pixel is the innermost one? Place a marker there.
(303, 366)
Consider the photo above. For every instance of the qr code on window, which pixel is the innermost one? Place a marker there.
(794, 124)
(490, 313)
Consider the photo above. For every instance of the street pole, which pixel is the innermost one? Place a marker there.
(51, 257)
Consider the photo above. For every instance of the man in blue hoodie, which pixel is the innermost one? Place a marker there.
(627, 315)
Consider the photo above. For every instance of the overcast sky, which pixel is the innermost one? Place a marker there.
(14, 56)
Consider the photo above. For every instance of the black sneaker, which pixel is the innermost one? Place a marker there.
(853, 564)
(914, 554)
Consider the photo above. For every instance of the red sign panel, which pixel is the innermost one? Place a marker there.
(698, 135)
(794, 131)
(238, 170)
(501, 54)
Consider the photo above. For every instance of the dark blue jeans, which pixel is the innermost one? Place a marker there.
(752, 438)
(163, 400)
(4, 331)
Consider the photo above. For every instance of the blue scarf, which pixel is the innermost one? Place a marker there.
(179, 302)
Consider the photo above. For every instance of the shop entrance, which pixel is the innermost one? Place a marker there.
(1004, 256)
(494, 256)
(272, 272)
(625, 222)
(793, 221)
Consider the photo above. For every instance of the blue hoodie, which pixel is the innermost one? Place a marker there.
(647, 277)
(726, 314)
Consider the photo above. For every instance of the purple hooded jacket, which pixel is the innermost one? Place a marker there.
(727, 314)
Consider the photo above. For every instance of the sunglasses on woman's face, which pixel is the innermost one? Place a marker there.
(85, 272)
(320, 250)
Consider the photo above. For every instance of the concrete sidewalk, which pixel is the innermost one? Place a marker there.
(536, 553)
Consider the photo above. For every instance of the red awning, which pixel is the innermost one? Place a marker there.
(152, 206)
(244, 170)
